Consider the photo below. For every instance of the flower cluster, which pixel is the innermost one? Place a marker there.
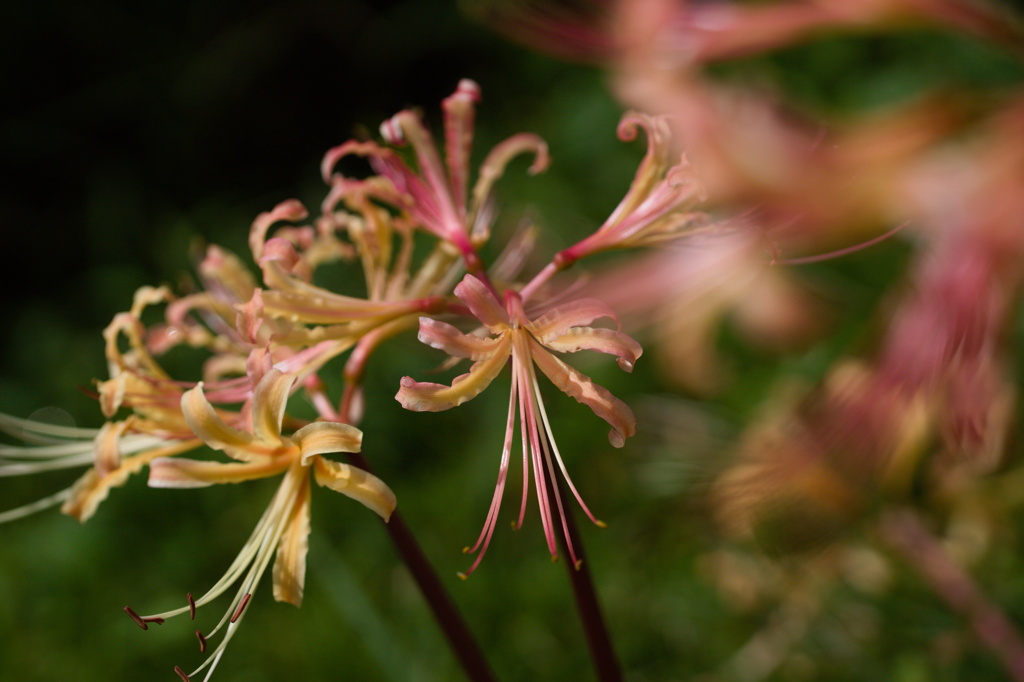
(267, 338)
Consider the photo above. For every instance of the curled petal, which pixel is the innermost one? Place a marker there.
(268, 405)
(290, 562)
(335, 154)
(90, 490)
(459, 112)
(579, 386)
(576, 313)
(249, 318)
(291, 210)
(427, 397)
(655, 164)
(181, 472)
(321, 438)
(444, 336)
(482, 303)
(358, 484)
(499, 157)
(607, 341)
(223, 272)
(207, 424)
(300, 301)
(107, 446)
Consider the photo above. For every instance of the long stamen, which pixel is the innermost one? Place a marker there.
(550, 469)
(251, 562)
(33, 507)
(523, 436)
(528, 412)
(565, 472)
(492, 514)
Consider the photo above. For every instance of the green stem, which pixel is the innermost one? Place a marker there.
(454, 627)
(595, 629)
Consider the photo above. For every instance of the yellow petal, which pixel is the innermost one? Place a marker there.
(268, 405)
(207, 424)
(358, 484)
(429, 397)
(290, 564)
(91, 489)
(180, 472)
(107, 448)
(320, 438)
(577, 385)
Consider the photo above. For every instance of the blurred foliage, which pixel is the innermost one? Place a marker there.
(134, 132)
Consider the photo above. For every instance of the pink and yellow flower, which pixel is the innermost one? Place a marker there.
(260, 450)
(437, 197)
(528, 342)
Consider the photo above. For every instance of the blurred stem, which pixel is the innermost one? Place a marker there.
(454, 627)
(461, 640)
(905, 532)
(599, 641)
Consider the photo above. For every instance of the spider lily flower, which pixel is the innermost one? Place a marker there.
(437, 197)
(260, 452)
(294, 300)
(658, 205)
(528, 342)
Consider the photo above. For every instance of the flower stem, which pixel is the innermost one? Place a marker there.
(905, 532)
(454, 627)
(595, 629)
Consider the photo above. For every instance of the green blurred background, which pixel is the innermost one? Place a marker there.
(132, 134)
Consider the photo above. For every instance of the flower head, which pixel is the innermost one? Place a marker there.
(659, 203)
(260, 450)
(436, 197)
(528, 342)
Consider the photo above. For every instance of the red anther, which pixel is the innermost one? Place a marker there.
(202, 642)
(241, 606)
(181, 674)
(137, 618)
(154, 620)
(191, 606)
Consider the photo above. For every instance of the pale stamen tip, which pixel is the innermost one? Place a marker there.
(462, 576)
(576, 566)
(600, 524)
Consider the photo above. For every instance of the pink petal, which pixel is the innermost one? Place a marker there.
(607, 341)
(444, 336)
(579, 386)
(482, 303)
(291, 210)
(459, 113)
(499, 157)
(576, 313)
(429, 397)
